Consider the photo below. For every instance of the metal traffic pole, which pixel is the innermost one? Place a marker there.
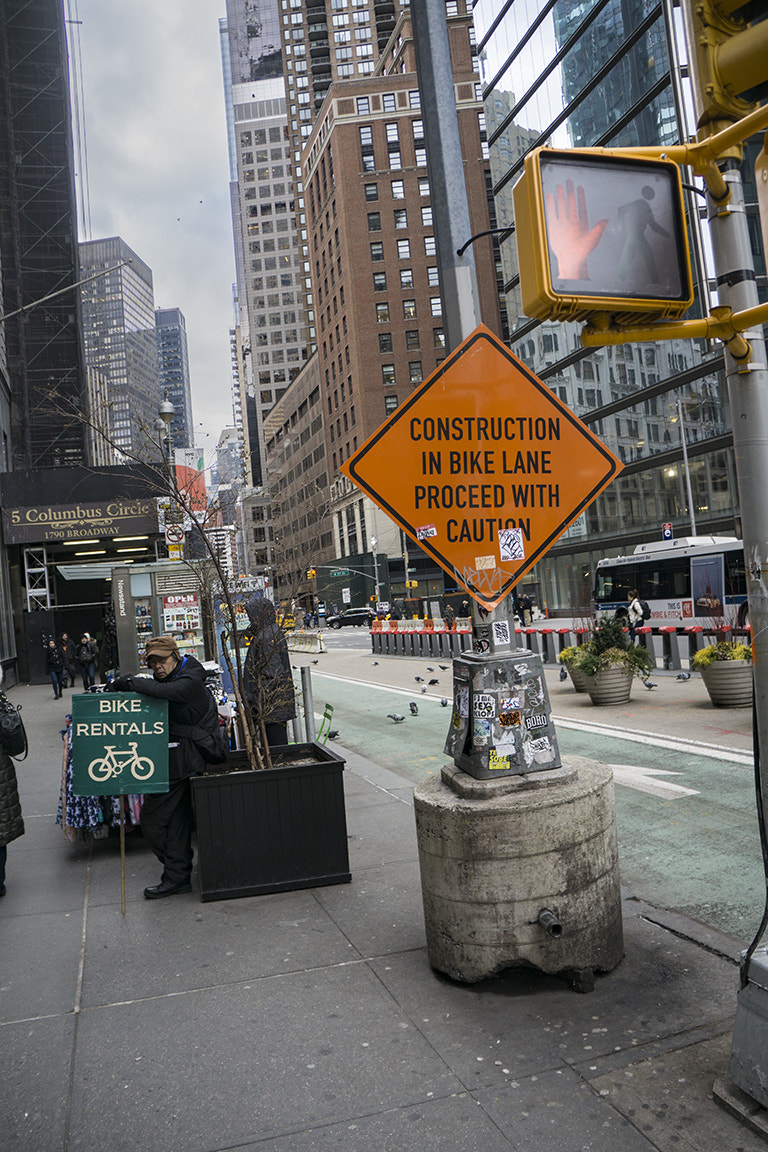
(450, 212)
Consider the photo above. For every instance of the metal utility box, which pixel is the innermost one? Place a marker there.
(501, 723)
(749, 1055)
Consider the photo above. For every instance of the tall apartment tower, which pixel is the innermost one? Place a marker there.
(38, 241)
(270, 272)
(120, 343)
(173, 371)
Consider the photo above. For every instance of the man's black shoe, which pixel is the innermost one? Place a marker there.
(167, 888)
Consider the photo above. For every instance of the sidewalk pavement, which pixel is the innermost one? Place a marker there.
(310, 1021)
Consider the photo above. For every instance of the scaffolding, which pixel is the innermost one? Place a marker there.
(38, 237)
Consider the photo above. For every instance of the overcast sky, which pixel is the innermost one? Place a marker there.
(158, 174)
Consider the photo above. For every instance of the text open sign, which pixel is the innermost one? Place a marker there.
(119, 744)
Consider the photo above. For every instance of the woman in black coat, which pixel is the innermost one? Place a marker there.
(54, 662)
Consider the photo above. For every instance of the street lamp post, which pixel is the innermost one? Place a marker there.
(374, 542)
(684, 446)
(166, 413)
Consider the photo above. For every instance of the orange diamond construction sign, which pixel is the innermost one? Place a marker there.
(483, 467)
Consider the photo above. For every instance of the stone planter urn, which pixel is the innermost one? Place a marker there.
(610, 686)
(729, 683)
(578, 679)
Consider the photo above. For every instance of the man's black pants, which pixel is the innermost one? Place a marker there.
(166, 824)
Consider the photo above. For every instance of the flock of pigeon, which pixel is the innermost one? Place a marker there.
(396, 717)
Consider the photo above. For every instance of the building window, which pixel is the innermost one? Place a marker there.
(436, 305)
(395, 160)
(432, 278)
(406, 277)
(430, 248)
(374, 222)
(398, 190)
(363, 105)
(377, 250)
(371, 191)
(409, 309)
(388, 102)
(393, 133)
(388, 375)
(415, 372)
(420, 155)
(438, 337)
(414, 98)
(412, 339)
(423, 187)
(401, 218)
(403, 250)
(379, 281)
(426, 217)
(390, 403)
(382, 313)
(385, 341)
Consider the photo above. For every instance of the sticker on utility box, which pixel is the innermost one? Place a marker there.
(483, 706)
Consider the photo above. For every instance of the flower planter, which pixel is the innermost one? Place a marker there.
(610, 686)
(729, 683)
(578, 679)
(272, 830)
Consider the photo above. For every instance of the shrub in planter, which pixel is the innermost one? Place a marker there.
(726, 669)
(609, 660)
(567, 657)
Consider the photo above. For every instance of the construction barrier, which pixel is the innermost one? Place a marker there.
(302, 641)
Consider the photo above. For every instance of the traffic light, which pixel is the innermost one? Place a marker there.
(729, 57)
(601, 234)
(311, 573)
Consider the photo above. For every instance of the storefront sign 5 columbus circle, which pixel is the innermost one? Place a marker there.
(51, 522)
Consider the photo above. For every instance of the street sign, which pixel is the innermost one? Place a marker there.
(119, 744)
(666, 532)
(174, 533)
(491, 467)
(339, 573)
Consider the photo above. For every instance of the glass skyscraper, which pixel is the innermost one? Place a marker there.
(608, 73)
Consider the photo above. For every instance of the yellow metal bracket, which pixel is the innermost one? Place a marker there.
(723, 324)
(701, 155)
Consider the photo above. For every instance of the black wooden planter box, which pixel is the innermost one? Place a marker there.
(272, 830)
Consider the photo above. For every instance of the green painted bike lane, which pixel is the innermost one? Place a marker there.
(686, 822)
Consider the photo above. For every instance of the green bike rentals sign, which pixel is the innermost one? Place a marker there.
(119, 744)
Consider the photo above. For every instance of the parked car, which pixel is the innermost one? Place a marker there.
(356, 616)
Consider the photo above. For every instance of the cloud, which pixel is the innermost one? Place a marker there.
(158, 173)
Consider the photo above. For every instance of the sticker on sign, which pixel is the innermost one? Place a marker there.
(425, 532)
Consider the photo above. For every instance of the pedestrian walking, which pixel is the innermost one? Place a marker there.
(87, 651)
(166, 817)
(11, 822)
(54, 662)
(634, 613)
(69, 654)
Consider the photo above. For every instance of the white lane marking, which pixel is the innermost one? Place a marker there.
(642, 780)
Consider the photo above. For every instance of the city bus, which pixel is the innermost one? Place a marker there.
(693, 580)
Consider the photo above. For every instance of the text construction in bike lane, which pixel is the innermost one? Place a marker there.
(119, 744)
(483, 466)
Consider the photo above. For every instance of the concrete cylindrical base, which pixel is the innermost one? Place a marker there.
(491, 865)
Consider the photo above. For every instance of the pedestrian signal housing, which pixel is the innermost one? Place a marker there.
(601, 234)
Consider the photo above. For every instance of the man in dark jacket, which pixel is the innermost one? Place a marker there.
(166, 818)
(267, 672)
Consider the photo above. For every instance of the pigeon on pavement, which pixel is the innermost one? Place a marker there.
(414, 708)
(683, 676)
(563, 673)
(648, 684)
(398, 719)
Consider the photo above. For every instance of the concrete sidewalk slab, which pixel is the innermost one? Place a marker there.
(311, 1020)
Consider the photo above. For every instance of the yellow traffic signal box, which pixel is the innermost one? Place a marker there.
(601, 234)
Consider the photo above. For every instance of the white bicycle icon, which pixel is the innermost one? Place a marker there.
(113, 762)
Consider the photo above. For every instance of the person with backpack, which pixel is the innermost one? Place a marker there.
(635, 615)
(166, 817)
